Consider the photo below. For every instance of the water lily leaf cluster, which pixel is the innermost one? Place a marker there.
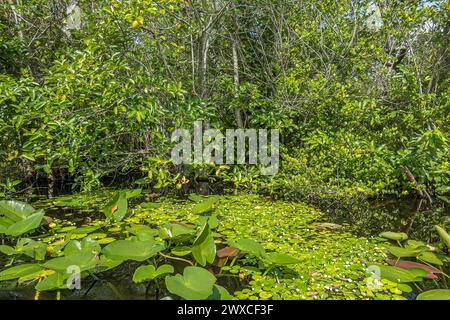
(418, 262)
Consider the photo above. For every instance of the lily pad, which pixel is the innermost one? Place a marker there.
(396, 236)
(19, 271)
(195, 284)
(15, 210)
(148, 273)
(437, 294)
(281, 259)
(249, 246)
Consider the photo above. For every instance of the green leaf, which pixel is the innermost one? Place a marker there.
(220, 293)
(19, 271)
(15, 210)
(86, 245)
(173, 230)
(204, 248)
(107, 264)
(181, 251)
(396, 236)
(29, 223)
(148, 273)
(165, 268)
(414, 244)
(132, 250)
(7, 250)
(83, 260)
(31, 248)
(250, 246)
(35, 275)
(84, 230)
(5, 223)
(195, 284)
(404, 287)
(133, 193)
(404, 252)
(144, 273)
(143, 232)
(205, 206)
(437, 294)
(281, 258)
(211, 220)
(400, 275)
(53, 282)
(430, 257)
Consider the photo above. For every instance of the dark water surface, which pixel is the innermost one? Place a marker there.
(365, 219)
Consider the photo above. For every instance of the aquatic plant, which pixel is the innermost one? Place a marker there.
(418, 263)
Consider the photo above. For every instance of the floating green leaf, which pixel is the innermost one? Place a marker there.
(83, 260)
(281, 259)
(195, 283)
(181, 251)
(132, 250)
(15, 210)
(54, 281)
(86, 245)
(250, 246)
(7, 250)
(404, 252)
(220, 293)
(29, 223)
(19, 271)
(400, 275)
(204, 248)
(148, 273)
(204, 206)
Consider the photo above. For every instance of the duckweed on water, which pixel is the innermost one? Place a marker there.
(304, 260)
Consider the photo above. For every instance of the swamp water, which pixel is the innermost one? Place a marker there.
(334, 246)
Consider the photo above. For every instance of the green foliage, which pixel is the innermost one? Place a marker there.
(138, 250)
(195, 284)
(147, 273)
(160, 244)
(437, 294)
(403, 271)
(354, 101)
(397, 236)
